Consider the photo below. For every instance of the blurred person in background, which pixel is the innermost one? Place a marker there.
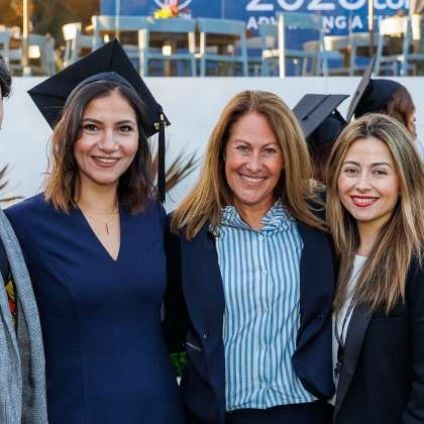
(383, 96)
(321, 123)
(22, 372)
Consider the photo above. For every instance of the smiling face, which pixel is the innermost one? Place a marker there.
(253, 163)
(368, 184)
(108, 140)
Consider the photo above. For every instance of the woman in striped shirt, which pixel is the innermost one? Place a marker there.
(254, 270)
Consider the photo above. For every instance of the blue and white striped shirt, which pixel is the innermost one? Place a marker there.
(260, 274)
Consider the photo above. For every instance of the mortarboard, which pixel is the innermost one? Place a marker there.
(319, 118)
(371, 95)
(362, 86)
(376, 96)
(109, 62)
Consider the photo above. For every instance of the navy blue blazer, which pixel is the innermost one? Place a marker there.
(194, 319)
(382, 376)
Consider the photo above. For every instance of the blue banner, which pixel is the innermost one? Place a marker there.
(339, 14)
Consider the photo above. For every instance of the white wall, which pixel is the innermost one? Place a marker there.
(191, 104)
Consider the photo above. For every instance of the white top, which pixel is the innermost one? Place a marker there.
(341, 320)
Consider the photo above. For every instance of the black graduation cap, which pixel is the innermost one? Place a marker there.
(320, 120)
(371, 95)
(376, 96)
(107, 62)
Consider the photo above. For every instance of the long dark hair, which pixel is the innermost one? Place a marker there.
(135, 186)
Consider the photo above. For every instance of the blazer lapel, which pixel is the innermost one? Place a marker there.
(304, 279)
(26, 379)
(203, 284)
(12, 250)
(315, 264)
(355, 336)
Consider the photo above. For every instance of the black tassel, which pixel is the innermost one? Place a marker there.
(161, 159)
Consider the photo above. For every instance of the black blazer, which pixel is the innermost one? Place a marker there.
(196, 285)
(382, 376)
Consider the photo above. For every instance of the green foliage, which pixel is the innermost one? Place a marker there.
(178, 361)
(3, 184)
(181, 167)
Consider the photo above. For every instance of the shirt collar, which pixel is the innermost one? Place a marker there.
(277, 218)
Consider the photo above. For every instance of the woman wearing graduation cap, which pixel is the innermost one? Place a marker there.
(383, 96)
(321, 123)
(256, 274)
(375, 202)
(94, 244)
(390, 98)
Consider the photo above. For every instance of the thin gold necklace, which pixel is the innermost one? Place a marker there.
(109, 216)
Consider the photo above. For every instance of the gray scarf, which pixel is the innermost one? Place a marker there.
(22, 372)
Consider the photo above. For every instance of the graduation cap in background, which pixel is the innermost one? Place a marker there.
(320, 120)
(360, 89)
(109, 62)
(371, 95)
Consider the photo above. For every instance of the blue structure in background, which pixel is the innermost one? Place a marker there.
(339, 13)
(340, 16)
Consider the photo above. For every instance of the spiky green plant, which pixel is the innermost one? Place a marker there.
(181, 167)
(3, 184)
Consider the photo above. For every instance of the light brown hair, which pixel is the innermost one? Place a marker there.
(381, 282)
(212, 193)
(62, 182)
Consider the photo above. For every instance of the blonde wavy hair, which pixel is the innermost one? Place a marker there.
(212, 193)
(382, 280)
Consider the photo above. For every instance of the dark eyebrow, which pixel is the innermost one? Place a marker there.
(97, 121)
(126, 121)
(91, 120)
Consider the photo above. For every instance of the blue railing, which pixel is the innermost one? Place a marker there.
(339, 14)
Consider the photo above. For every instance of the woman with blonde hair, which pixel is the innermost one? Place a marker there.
(255, 274)
(375, 205)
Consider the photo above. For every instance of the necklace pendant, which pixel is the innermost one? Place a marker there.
(107, 228)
